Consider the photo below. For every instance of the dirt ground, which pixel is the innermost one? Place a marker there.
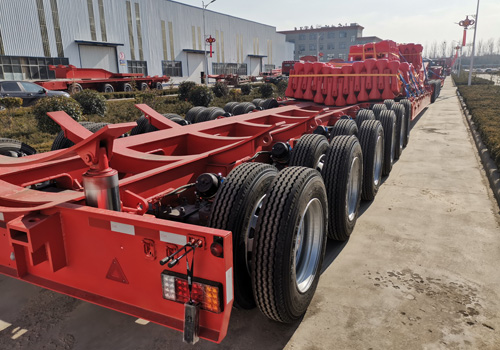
(419, 272)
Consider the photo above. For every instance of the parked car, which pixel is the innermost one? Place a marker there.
(275, 79)
(29, 92)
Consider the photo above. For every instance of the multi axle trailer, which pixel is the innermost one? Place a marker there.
(178, 225)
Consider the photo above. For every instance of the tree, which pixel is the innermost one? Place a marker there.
(490, 46)
(498, 45)
(433, 50)
(443, 48)
(479, 48)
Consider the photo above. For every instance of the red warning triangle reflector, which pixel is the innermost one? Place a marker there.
(115, 272)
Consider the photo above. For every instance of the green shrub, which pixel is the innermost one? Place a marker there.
(246, 89)
(52, 104)
(281, 87)
(266, 90)
(184, 89)
(200, 96)
(463, 79)
(91, 101)
(11, 102)
(220, 89)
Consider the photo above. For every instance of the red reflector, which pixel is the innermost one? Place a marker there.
(115, 272)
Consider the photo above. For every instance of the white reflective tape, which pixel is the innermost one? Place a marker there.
(173, 238)
(19, 333)
(141, 321)
(229, 285)
(4, 325)
(122, 228)
(1, 217)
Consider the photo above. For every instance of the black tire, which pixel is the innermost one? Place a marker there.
(277, 278)
(127, 87)
(210, 113)
(389, 103)
(159, 86)
(176, 118)
(15, 148)
(108, 88)
(344, 127)
(388, 120)
(371, 137)
(61, 142)
(258, 102)
(343, 165)
(144, 86)
(229, 107)
(75, 88)
(399, 110)
(270, 103)
(142, 126)
(309, 151)
(377, 108)
(235, 207)
(362, 115)
(193, 112)
(243, 108)
(408, 110)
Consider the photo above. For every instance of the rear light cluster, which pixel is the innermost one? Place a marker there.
(207, 293)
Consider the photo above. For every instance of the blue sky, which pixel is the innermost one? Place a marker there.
(420, 21)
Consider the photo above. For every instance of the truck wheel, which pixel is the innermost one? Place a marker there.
(236, 208)
(389, 103)
(144, 87)
(309, 151)
(159, 86)
(289, 245)
(193, 112)
(243, 108)
(362, 115)
(75, 88)
(270, 103)
(229, 107)
(343, 175)
(258, 102)
(407, 105)
(399, 111)
(371, 137)
(61, 142)
(210, 113)
(15, 148)
(108, 88)
(377, 108)
(126, 87)
(388, 121)
(344, 127)
(176, 118)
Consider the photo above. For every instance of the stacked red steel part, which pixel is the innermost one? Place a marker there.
(375, 71)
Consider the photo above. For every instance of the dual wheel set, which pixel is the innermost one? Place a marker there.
(281, 220)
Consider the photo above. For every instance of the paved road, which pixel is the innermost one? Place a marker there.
(419, 272)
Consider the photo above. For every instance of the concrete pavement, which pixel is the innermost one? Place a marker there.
(419, 272)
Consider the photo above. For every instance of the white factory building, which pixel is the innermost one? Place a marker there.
(155, 37)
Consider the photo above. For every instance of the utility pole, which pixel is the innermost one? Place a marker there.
(205, 63)
(473, 47)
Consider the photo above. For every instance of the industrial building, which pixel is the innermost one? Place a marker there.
(327, 42)
(154, 37)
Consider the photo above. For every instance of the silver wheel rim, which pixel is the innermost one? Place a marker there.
(377, 168)
(308, 245)
(320, 163)
(393, 142)
(249, 234)
(401, 135)
(353, 188)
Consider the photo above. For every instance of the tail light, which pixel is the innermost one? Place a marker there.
(207, 293)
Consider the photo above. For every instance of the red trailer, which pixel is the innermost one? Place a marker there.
(177, 225)
(72, 79)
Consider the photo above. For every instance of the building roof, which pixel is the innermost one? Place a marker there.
(322, 29)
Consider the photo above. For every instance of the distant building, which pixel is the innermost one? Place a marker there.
(331, 41)
(153, 37)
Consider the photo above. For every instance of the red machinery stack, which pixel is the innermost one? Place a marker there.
(375, 71)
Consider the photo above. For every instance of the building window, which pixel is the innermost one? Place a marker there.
(172, 68)
(330, 46)
(2, 52)
(269, 67)
(342, 46)
(312, 47)
(302, 47)
(28, 68)
(302, 37)
(43, 28)
(343, 34)
(343, 56)
(321, 46)
(57, 28)
(331, 35)
(103, 21)
(138, 67)
(353, 38)
(139, 31)
(229, 68)
(90, 7)
(312, 36)
(291, 41)
(130, 31)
